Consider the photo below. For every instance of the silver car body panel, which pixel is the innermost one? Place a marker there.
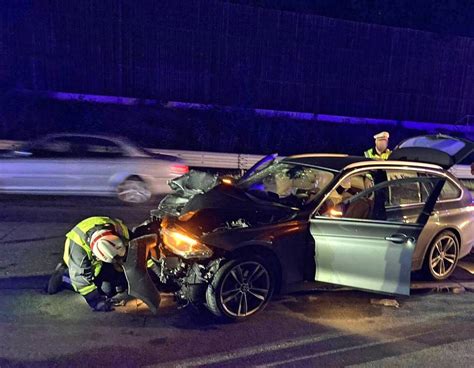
(356, 253)
(370, 254)
(456, 214)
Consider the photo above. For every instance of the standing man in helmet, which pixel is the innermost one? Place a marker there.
(93, 252)
(380, 150)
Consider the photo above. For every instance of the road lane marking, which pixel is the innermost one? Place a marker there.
(242, 353)
(343, 350)
(281, 345)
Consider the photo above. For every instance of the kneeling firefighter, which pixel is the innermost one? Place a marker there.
(93, 254)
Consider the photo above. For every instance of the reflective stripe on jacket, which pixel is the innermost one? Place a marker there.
(83, 266)
(372, 153)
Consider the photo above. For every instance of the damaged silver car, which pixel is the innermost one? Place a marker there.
(315, 218)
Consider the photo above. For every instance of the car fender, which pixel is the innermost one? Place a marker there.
(118, 178)
(427, 236)
(266, 250)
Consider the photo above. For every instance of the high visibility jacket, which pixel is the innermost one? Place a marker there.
(82, 264)
(372, 153)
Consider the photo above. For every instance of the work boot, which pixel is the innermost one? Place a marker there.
(55, 283)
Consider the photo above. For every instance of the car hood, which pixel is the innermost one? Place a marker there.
(226, 207)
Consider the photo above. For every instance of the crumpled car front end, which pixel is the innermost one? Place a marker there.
(204, 249)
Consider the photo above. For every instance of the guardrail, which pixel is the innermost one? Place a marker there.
(219, 160)
(215, 160)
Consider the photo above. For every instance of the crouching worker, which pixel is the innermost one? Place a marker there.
(93, 253)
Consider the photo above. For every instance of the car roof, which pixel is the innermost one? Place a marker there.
(334, 162)
(338, 162)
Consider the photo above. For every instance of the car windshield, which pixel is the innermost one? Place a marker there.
(287, 183)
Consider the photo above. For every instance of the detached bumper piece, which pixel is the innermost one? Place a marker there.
(140, 284)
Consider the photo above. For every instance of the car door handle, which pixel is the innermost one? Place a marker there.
(398, 238)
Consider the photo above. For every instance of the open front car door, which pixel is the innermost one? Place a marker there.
(361, 245)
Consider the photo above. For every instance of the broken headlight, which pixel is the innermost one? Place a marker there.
(184, 245)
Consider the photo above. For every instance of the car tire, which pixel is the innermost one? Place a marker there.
(240, 288)
(133, 190)
(442, 256)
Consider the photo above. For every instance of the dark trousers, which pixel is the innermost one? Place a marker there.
(109, 281)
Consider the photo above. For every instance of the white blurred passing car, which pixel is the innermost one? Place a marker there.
(77, 164)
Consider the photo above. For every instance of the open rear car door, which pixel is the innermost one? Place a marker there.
(442, 150)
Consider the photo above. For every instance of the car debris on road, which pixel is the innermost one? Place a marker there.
(385, 302)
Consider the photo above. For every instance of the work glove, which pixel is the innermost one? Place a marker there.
(98, 303)
(120, 299)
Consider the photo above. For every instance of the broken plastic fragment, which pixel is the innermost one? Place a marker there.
(385, 302)
(458, 290)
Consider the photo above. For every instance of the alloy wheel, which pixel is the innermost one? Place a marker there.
(133, 191)
(245, 289)
(443, 256)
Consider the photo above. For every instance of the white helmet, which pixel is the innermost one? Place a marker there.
(106, 245)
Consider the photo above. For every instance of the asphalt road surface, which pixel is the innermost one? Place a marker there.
(32, 228)
(68, 210)
(318, 328)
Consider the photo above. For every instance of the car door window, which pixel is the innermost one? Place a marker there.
(93, 147)
(378, 201)
(102, 148)
(469, 184)
(416, 193)
(408, 193)
(53, 148)
(450, 190)
(335, 204)
(406, 201)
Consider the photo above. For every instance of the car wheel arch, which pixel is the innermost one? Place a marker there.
(119, 178)
(143, 191)
(136, 177)
(262, 250)
(453, 229)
